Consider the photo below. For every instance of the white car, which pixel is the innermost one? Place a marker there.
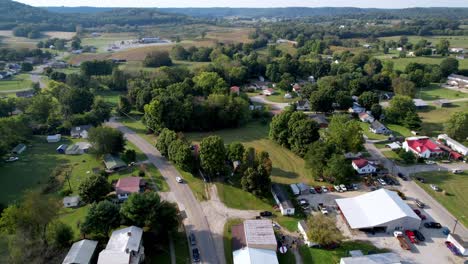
(382, 181)
(337, 188)
(179, 179)
(430, 162)
(324, 189)
(434, 187)
(456, 171)
(343, 187)
(11, 159)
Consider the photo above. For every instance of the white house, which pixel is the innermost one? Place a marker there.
(362, 166)
(80, 131)
(423, 147)
(366, 117)
(380, 210)
(54, 138)
(254, 242)
(378, 128)
(356, 108)
(81, 252)
(303, 230)
(268, 91)
(71, 201)
(453, 144)
(303, 105)
(124, 246)
(282, 200)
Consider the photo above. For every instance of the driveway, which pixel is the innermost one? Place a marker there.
(275, 107)
(195, 220)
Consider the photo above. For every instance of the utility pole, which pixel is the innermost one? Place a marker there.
(455, 226)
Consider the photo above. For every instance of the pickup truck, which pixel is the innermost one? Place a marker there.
(411, 236)
(322, 208)
(403, 243)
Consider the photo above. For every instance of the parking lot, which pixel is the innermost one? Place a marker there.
(432, 250)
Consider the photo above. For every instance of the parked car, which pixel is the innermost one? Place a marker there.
(179, 179)
(420, 179)
(419, 235)
(416, 211)
(434, 187)
(381, 181)
(349, 187)
(266, 213)
(456, 171)
(343, 187)
(324, 189)
(452, 248)
(196, 255)
(433, 225)
(337, 188)
(192, 239)
(411, 236)
(322, 208)
(401, 176)
(304, 203)
(318, 189)
(355, 186)
(331, 188)
(420, 204)
(312, 190)
(430, 162)
(12, 159)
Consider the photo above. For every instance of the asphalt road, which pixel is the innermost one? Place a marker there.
(411, 189)
(195, 220)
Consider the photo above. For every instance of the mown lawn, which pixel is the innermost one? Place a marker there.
(111, 97)
(454, 185)
(435, 92)
(401, 63)
(323, 256)
(133, 121)
(17, 82)
(434, 118)
(369, 134)
(398, 130)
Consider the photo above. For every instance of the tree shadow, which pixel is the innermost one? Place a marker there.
(284, 174)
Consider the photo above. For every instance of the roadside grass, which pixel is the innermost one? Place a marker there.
(454, 186)
(369, 134)
(133, 121)
(227, 237)
(16, 83)
(434, 118)
(390, 154)
(435, 92)
(324, 256)
(181, 248)
(381, 145)
(197, 185)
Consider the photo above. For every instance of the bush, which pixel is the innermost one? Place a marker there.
(157, 59)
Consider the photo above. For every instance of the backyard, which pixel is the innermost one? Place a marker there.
(16, 83)
(453, 195)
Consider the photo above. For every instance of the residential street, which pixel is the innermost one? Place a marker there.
(195, 220)
(412, 190)
(261, 99)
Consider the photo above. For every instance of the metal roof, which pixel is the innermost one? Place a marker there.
(81, 252)
(383, 258)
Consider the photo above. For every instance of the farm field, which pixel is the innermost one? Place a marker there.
(8, 40)
(455, 41)
(435, 92)
(455, 186)
(401, 63)
(16, 83)
(323, 256)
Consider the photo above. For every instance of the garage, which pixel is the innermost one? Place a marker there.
(378, 211)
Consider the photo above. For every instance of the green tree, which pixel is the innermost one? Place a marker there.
(457, 126)
(209, 82)
(165, 138)
(345, 134)
(339, 170)
(94, 188)
(303, 133)
(106, 140)
(367, 99)
(256, 180)
(181, 154)
(76, 101)
(157, 59)
(398, 109)
(448, 66)
(403, 87)
(407, 157)
(148, 211)
(322, 100)
(178, 52)
(124, 107)
(373, 66)
(212, 155)
(323, 230)
(235, 151)
(279, 128)
(60, 234)
(129, 155)
(376, 110)
(102, 218)
(26, 67)
(317, 156)
(442, 47)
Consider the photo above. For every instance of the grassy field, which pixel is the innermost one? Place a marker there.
(399, 131)
(455, 186)
(401, 63)
(435, 92)
(8, 40)
(434, 118)
(455, 41)
(102, 42)
(287, 167)
(16, 83)
(323, 256)
(110, 96)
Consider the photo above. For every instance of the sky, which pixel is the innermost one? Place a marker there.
(251, 3)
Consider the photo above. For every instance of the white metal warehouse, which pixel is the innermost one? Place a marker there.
(380, 210)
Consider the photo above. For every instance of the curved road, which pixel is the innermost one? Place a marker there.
(195, 220)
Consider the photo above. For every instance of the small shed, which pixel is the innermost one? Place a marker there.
(113, 162)
(71, 201)
(54, 138)
(62, 149)
(442, 103)
(20, 148)
(74, 149)
(81, 252)
(420, 104)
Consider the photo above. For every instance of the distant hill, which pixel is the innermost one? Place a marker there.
(78, 9)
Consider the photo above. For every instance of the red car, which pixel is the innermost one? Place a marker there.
(423, 217)
(411, 236)
(318, 189)
(417, 212)
(331, 188)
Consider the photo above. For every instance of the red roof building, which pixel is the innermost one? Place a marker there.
(126, 186)
(235, 89)
(424, 147)
(362, 166)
